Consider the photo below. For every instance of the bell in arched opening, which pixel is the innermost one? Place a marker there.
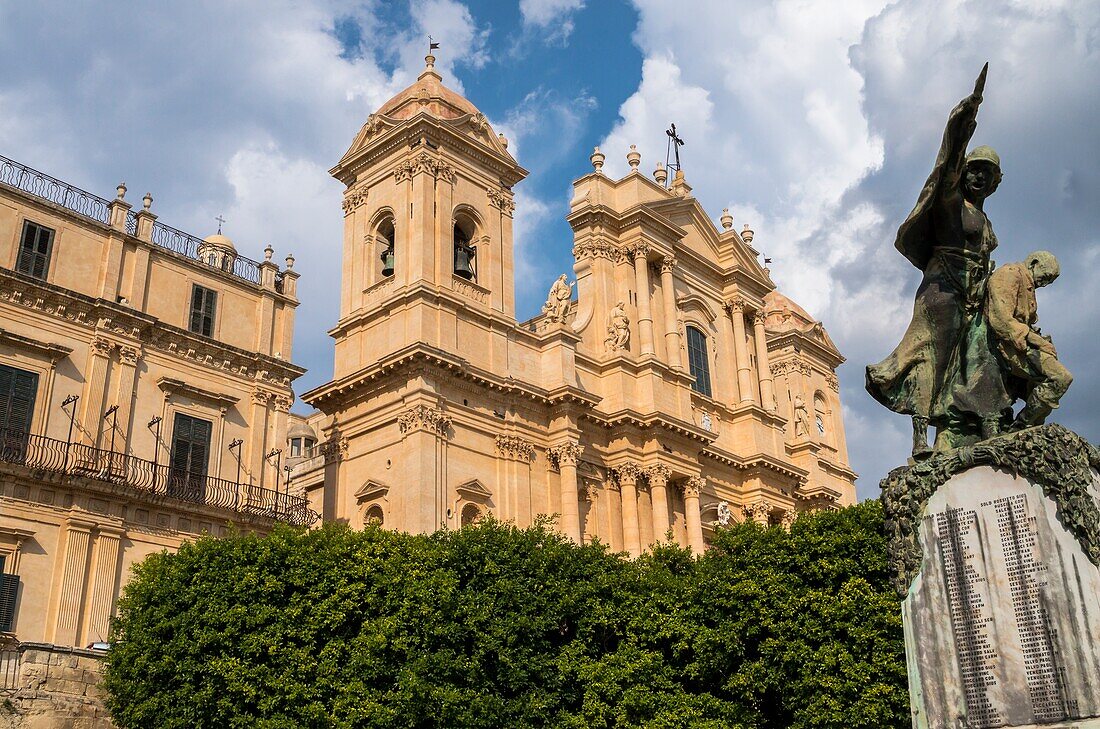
(465, 254)
(386, 232)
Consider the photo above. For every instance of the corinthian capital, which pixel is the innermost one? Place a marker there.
(693, 486)
(422, 417)
(565, 454)
(515, 447)
(759, 511)
(628, 473)
(736, 305)
(668, 264)
(658, 474)
(758, 318)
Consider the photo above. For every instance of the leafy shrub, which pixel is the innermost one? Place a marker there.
(494, 626)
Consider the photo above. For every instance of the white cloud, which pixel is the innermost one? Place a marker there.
(554, 18)
(821, 123)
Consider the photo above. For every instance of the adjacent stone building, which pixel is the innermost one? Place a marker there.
(675, 388)
(144, 381)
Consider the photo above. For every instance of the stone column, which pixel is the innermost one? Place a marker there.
(102, 603)
(566, 456)
(645, 314)
(672, 333)
(658, 481)
(425, 430)
(692, 488)
(70, 589)
(591, 528)
(763, 367)
(257, 438)
(628, 486)
(127, 358)
(614, 514)
(95, 386)
(741, 349)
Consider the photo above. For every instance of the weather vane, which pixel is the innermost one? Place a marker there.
(220, 220)
(674, 144)
(432, 45)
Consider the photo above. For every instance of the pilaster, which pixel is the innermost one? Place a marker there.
(645, 313)
(693, 487)
(672, 331)
(566, 455)
(658, 476)
(628, 475)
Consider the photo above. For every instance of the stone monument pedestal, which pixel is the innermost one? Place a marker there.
(1002, 591)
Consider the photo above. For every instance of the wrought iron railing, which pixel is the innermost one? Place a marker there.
(41, 185)
(155, 479)
(196, 249)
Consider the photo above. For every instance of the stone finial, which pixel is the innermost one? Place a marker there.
(746, 233)
(147, 201)
(268, 252)
(727, 219)
(660, 174)
(429, 62)
(633, 158)
(121, 190)
(289, 261)
(597, 157)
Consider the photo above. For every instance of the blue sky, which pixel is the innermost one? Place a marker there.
(814, 121)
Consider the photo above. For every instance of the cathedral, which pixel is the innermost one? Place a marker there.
(666, 387)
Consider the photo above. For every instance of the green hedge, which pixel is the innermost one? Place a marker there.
(493, 626)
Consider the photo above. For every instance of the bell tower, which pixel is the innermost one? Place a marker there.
(428, 213)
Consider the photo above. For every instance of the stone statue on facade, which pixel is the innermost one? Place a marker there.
(557, 301)
(944, 372)
(801, 417)
(618, 328)
(725, 515)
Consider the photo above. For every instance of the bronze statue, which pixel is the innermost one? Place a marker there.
(1032, 370)
(944, 372)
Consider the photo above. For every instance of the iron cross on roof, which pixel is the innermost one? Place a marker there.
(674, 144)
(220, 220)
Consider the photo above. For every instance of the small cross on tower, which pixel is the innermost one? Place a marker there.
(220, 220)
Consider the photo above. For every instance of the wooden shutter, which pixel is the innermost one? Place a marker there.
(191, 444)
(18, 391)
(203, 305)
(34, 250)
(9, 591)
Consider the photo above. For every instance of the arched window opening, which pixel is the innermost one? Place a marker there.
(387, 238)
(697, 361)
(374, 515)
(470, 514)
(821, 414)
(465, 254)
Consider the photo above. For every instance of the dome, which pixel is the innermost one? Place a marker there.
(219, 241)
(782, 314)
(429, 94)
(301, 430)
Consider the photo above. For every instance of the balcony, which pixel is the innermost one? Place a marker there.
(153, 480)
(38, 184)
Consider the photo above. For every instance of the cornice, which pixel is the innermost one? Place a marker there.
(421, 355)
(102, 316)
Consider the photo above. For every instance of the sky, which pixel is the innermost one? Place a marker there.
(815, 122)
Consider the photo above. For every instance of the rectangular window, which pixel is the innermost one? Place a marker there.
(190, 458)
(34, 250)
(697, 361)
(18, 391)
(203, 306)
(9, 591)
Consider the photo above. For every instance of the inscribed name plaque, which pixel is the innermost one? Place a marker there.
(1002, 624)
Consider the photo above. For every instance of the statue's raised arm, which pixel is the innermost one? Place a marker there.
(916, 236)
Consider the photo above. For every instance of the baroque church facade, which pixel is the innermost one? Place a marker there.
(673, 389)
